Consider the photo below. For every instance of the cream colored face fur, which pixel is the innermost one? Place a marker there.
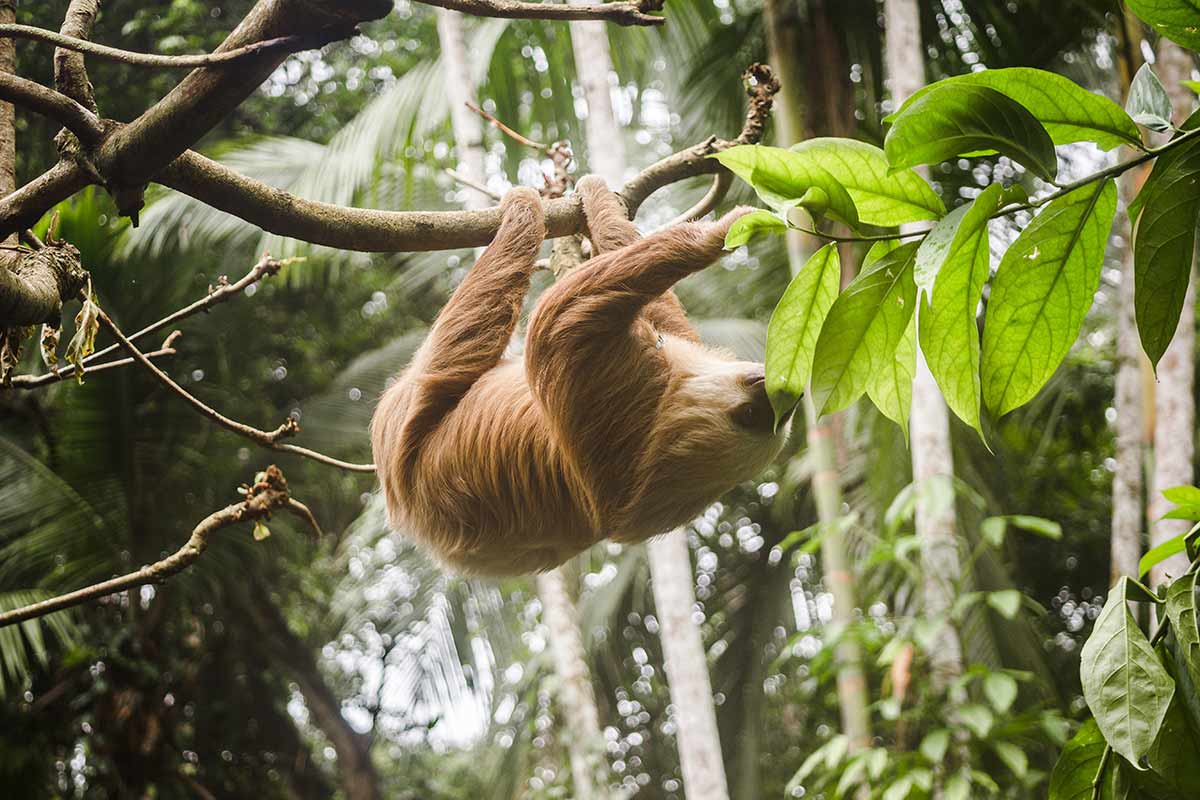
(616, 421)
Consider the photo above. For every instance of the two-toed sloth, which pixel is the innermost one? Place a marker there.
(616, 422)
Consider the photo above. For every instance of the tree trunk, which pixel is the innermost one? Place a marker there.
(670, 563)
(932, 455)
(575, 696)
(1174, 404)
(687, 669)
(460, 90)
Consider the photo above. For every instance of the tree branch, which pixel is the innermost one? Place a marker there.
(269, 439)
(55, 105)
(70, 72)
(33, 288)
(262, 498)
(77, 43)
(621, 13)
(37, 381)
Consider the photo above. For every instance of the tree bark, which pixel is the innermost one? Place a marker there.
(1174, 403)
(575, 696)
(460, 86)
(687, 669)
(593, 66)
(932, 454)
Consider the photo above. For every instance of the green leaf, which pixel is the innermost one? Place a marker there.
(977, 719)
(1162, 165)
(1164, 245)
(881, 198)
(1013, 757)
(1178, 20)
(1148, 103)
(1161, 553)
(261, 531)
(1182, 495)
(993, 531)
(935, 744)
(751, 225)
(878, 251)
(796, 324)
(1000, 690)
(83, 342)
(1006, 602)
(947, 121)
(1069, 112)
(863, 330)
(1042, 291)
(1190, 511)
(1180, 607)
(1125, 685)
(1173, 760)
(890, 389)
(1073, 773)
(785, 180)
(1041, 526)
(957, 787)
(953, 264)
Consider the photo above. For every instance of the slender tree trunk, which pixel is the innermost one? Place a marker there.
(932, 455)
(783, 38)
(670, 562)
(460, 90)
(584, 742)
(687, 669)
(1174, 403)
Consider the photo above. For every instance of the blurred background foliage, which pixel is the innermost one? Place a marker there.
(237, 678)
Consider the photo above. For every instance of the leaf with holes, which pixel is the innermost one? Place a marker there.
(784, 181)
(1163, 247)
(1178, 20)
(794, 328)
(881, 198)
(864, 327)
(1148, 102)
(1041, 293)
(1125, 685)
(1069, 112)
(953, 264)
(948, 121)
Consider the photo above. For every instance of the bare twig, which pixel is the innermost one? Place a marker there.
(472, 184)
(265, 496)
(36, 381)
(286, 44)
(712, 198)
(621, 13)
(269, 439)
(495, 123)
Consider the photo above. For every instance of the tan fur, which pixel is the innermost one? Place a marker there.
(616, 422)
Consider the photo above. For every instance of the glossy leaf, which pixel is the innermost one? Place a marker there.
(1069, 112)
(784, 180)
(751, 225)
(953, 264)
(1160, 553)
(863, 330)
(1178, 20)
(1164, 245)
(890, 389)
(948, 121)
(1041, 293)
(1125, 685)
(881, 198)
(1077, 765)
(794, 328)
(1148, 103)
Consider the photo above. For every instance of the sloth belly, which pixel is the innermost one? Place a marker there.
(493, 495)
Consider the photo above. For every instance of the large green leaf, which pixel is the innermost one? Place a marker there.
(1125, 685)
(1148, 103)
(1069, 112)
(881, 198)
(1174, 760)
(890, 389)
(952, 120)
(1163, 247)
(1178, 20)
(953, 264)
(863, 330)
(795, 326)
(785, 180)
(1181, 611)
(1043, 289)
(1076, 767)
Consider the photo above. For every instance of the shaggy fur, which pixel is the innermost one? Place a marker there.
(616, 422)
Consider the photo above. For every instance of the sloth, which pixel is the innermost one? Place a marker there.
(616, 422)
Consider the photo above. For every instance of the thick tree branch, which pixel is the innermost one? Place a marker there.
(269, 439)
(70, 72)
(55, 105)
(34, 284)
(621, 13)
(77, 46)
(264, 497)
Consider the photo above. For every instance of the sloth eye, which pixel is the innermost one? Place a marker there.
(746, 415)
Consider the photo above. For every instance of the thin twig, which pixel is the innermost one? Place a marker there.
(495, 123)
(269, 439)
(224, 290)
(472, 184)
(712, 198)
(622, 13)
(224, 58)
(58, 375)
(262, 498)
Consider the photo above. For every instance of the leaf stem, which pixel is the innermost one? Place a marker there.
(1098, 781)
